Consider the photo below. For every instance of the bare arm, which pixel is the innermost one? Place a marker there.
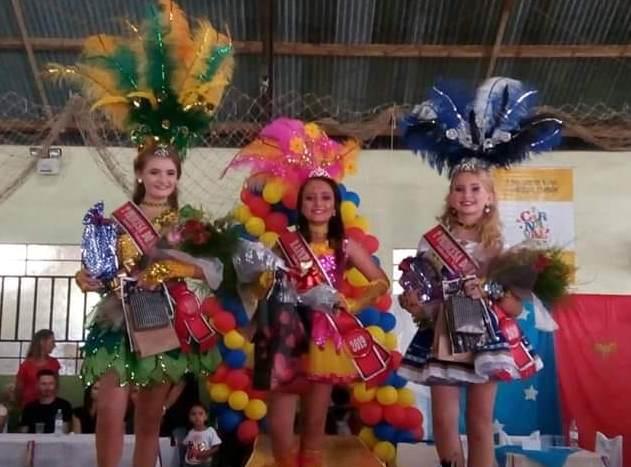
(76, 425)
(378, 281)
(364, 263)
(511, 304)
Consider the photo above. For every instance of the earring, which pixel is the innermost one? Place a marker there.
(487, 209)
(453, 212)
(139, 181)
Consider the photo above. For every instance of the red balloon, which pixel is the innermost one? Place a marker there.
(256, 394)
(396, 359)
(248, 431)
(258, 206)
(418, 433)
(384, 302)
(238, 380)
(220, 374)
(395, 415)
(356, 234)
(246, 195)
(370, 413)
(224, 322)
(290, 199)
(276, 222)
(370, 243)
(413, 418)
(210, 306)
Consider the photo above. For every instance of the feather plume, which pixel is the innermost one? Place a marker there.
(211, 68)
(178, 40)
(498, 127)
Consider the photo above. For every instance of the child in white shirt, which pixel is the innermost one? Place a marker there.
(201, 442)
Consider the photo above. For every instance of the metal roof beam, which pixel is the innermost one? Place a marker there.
(375, 50)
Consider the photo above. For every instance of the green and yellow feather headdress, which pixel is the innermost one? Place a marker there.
(160, 85)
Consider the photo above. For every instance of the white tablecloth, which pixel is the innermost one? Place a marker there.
(68, 450)
(578, 459)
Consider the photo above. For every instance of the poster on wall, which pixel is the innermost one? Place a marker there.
(537, 203)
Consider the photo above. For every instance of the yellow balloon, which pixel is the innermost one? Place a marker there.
(406, 397)
(377, 333)
(385, 451)
(233, 340)
(238, 400)
(219, 392)
(255, 226)
(362, 393)
(269, 239)
(367, 436)
(256, 409)
(242, 213)
(387, 395)
(356, 278)
(391, 341)
(360, 222)
(249, 353)
(273, 191)
(348, 211)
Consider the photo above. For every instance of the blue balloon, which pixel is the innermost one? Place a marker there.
(386, 432)
(219, 409)
(229, 420)
(342, 189)
(369, 317)
(376, 260)
(240, 229)
(235, 358)
(352, 197)
(223, 350)
(398, 381)
(234, 306)
(387, 321)
(404, 436)
(391, 379)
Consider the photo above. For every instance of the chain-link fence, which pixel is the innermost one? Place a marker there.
(237, 122)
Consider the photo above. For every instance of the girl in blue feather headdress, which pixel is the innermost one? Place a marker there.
(468, 335)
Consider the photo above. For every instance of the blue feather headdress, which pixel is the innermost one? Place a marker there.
(496, 127)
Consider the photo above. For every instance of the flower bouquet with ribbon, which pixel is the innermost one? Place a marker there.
(527, 269)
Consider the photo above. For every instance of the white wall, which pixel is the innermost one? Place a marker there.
(399, 195)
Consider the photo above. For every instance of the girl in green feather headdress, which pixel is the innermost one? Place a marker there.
(162, 87)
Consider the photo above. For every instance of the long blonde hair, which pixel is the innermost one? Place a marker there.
(490, 227)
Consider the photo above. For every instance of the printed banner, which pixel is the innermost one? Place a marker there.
(537, 204)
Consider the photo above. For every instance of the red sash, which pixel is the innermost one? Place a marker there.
(190, 324)
(369, 357)
(524, 360)
(137, 226)
(453, 256)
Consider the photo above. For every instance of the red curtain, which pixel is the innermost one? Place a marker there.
(593, 348)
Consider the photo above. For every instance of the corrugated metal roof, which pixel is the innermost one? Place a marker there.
(359, 83)
(570, 22)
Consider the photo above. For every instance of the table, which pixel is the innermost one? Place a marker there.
(577, 459)
(50, 450)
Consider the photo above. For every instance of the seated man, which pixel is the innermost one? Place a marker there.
(41, 413)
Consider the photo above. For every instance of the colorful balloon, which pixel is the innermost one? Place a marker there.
(238, 400)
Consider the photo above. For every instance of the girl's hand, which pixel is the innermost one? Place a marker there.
(472, 288)
(86, 282)
(410, 302)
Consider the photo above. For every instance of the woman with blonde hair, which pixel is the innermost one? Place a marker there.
(463, 339)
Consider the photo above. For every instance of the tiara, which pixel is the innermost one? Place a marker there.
(319, 172)
(469, 165)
